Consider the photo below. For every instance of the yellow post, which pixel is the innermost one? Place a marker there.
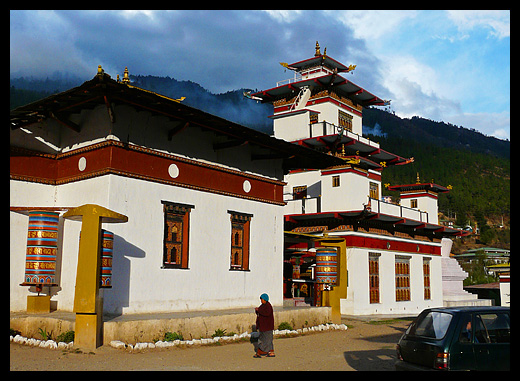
(87, 304)
(332, 298)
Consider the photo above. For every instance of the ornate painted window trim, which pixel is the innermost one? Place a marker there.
(176, 235)
(240, 238)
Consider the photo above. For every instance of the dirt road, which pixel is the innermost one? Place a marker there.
(364, 346)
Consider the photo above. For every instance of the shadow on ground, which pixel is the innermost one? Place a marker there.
(379, 359)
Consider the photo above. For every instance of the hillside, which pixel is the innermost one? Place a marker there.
(435, 133)
(475, 165)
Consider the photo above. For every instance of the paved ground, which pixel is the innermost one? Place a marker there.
(364, 346)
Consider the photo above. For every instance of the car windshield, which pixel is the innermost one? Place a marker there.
(434, 324)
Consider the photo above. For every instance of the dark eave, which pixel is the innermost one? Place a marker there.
(398, 223)
(102, 90)
(419, 187)
(354, 146)
(335, 82)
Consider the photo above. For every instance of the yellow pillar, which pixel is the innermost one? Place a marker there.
(332, 298)
(87, 304)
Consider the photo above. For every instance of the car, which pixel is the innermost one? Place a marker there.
(456, 338)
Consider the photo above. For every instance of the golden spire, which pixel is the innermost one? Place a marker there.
(418, 181)
(100, 70)
(126, 79)
(318, 53)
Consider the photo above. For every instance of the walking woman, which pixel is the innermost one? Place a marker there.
(265, 325)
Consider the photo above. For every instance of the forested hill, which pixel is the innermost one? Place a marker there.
(475, 165)
(435, 133)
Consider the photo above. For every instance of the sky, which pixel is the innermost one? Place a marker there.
(451, 66)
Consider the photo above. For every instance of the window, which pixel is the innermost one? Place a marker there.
(373, 273)
(434, 325)
(176, 235)
(402, 278)
(299, 192)
(492, 328)
(426, 276)
(240, 227)
(313, 117)
(335, 181)
(413, 203)
(374, 190)
(345, 120)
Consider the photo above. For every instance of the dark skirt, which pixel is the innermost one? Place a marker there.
(265, 341)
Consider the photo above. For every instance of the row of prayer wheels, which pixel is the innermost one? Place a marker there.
(42, 248)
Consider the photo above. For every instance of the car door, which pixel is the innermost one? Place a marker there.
(462, 356)
(491, 341)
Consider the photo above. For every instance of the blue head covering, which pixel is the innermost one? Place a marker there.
(265, 297)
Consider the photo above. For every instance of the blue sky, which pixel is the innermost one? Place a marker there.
(452, 66)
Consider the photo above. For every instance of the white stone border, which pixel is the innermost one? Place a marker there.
(51, 344)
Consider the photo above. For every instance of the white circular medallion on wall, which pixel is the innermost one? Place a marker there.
(173, 171)
(82, 163)
(246, 186)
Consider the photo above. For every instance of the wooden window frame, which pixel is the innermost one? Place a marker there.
(240, 240)
(426, 277)
(345, 120)
(373, 278)
(402, 279)
(373, 190)
(176, 216)
(336, 181)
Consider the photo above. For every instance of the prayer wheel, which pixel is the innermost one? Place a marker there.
(326, 265)
(42, 247)
(106, 259)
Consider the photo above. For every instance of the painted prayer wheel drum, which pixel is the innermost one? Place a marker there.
(326, 265)
(106, 259)
(42, 247)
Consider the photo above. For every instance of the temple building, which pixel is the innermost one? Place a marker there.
(200, 201)
(393, 251)
(210, 213)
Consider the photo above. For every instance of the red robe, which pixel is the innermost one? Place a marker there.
(265, 317)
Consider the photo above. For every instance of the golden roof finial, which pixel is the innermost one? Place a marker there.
(325, 51)
(418, 181)
(318, 53)
(126, 79)
(100, 70)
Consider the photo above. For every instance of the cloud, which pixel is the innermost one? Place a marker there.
(42, 43)
(414, 89)
(373, 24)
(221, 50)
(489, 123)
(497, 22)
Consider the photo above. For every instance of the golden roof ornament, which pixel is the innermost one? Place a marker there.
(126, 79)
(100, 70)
(418, 180)
(318, 53)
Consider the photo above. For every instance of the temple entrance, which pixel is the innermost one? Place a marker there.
(299, 277)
